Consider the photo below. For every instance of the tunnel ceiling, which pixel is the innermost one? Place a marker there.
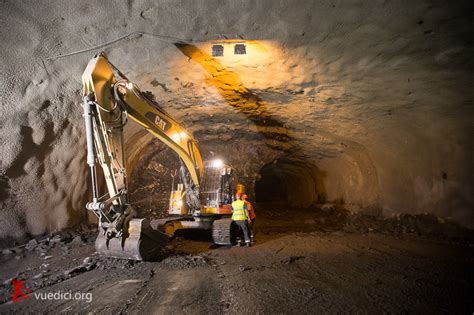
(372, 99)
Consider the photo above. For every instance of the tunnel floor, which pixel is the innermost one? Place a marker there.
(319, 261)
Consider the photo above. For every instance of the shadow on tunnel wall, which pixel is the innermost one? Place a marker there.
(291, 179)
(239, 97)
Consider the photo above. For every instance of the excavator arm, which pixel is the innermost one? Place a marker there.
(108, 102)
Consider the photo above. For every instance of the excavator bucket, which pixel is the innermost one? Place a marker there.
(142, 243)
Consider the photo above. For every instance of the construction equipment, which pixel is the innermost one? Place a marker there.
(202, 199)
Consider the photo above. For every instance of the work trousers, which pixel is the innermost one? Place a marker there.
(250, 225)
(242, 224)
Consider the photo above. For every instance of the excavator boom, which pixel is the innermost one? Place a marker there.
(108, 102)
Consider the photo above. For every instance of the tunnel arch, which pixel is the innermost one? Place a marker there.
(291, 180)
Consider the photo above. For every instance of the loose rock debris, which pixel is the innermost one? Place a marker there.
(185, 262)
(65, 258)
(290, 259)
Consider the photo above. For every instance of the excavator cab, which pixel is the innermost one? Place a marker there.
(218, 186)
(216, 191)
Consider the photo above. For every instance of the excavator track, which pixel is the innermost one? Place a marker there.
(223, 232)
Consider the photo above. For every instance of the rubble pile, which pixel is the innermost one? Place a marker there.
(185, 262)
(425, 225)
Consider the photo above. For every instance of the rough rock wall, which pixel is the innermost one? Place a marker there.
(376, 96)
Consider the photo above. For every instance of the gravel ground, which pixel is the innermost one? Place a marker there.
(359, 265)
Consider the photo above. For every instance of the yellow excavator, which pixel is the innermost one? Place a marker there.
(202, 199)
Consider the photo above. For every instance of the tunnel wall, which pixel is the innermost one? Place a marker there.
(376, 95)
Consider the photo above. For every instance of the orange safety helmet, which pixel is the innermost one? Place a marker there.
(244, 196)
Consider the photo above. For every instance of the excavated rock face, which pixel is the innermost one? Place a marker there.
(365, 102)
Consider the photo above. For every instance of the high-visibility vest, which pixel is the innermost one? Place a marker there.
(238, 214)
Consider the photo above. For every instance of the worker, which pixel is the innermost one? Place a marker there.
(252, 215)
(241, 217)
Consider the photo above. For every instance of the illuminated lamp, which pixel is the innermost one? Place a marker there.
(176, 137)
(217, 163)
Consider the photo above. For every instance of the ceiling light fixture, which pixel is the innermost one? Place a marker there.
(217, 51)
(240, 49)
(228, 39)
